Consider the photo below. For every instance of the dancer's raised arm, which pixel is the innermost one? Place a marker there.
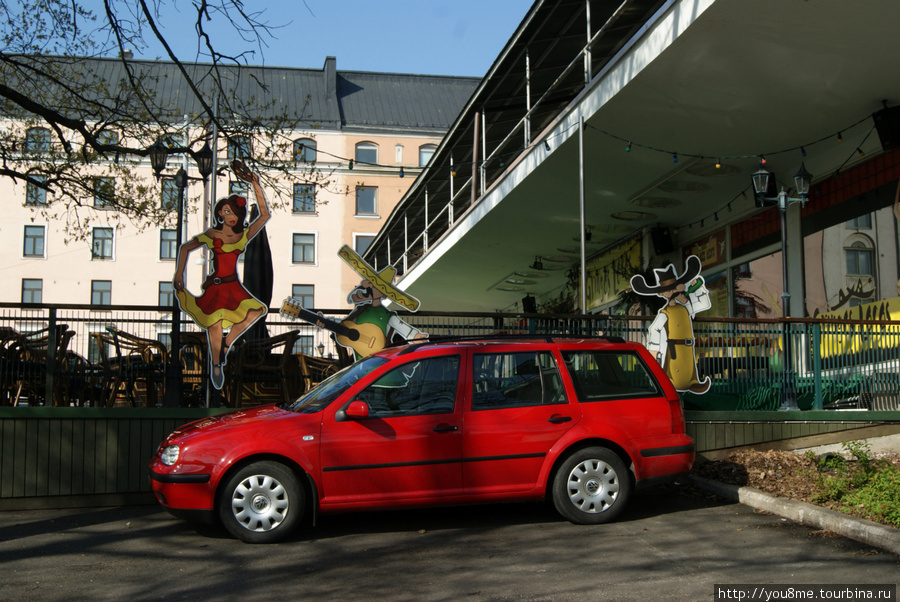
(244, 173)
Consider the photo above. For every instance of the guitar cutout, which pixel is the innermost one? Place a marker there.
(364, 339)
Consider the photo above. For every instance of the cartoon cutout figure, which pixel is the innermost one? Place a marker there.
(370, 314)
(224, 305)
(671, 334)
(370, 327)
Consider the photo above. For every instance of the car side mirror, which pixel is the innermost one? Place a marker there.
(356, 410)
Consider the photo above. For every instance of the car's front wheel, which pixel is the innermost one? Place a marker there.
(261, 503)
(592, 486)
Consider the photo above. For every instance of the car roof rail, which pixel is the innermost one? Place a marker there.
(549, 338)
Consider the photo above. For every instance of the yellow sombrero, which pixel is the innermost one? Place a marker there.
(382, 280)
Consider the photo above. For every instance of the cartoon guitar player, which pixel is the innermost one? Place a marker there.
(370, 327)
(671, 334)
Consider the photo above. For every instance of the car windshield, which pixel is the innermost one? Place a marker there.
(332, 387)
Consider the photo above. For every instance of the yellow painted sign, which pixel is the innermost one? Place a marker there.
(610, 274)
(846, 339)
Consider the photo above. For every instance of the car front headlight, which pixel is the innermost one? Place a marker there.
(169, 456)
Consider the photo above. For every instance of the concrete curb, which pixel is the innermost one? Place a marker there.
(858, 529)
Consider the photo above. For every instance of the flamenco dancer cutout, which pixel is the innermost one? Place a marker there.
(370, 327)
(224, 305)
(671, 334)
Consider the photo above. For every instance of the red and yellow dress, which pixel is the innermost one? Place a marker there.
(224, 298)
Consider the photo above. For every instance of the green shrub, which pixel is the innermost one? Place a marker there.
(868, 487)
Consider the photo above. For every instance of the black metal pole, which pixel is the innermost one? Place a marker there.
(173, 370)
(789, 400)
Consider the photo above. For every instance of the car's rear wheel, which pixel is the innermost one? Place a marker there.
(592, 486)
(261, 503)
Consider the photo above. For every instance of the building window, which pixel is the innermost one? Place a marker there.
(863, 222)
(367, 152)
(365, 200)
(238, 147)
(304, 198)
(32, 290)
(169, 194)
(305, 150)
(164, 337)
(398, 153)
(34, 241)
(104, 192)
(168, 249)
(166, 294)
(304, 344)
(361, 242)
(34, 194)
(108, 138)
(304, 248)
(101, 292)
(102, 244)
(860, 260)
(426, 152)
(239, 188)
(37, 140)
(304, 294)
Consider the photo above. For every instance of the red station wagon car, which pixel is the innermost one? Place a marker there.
(580, 421)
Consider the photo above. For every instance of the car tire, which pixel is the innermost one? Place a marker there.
(591, 486)
(261, 503)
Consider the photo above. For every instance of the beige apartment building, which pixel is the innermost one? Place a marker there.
(369, 135)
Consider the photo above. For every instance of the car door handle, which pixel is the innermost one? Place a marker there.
(557, 419)
(445, 428)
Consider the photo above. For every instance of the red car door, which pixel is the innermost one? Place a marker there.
(517, 411)
(408, 447)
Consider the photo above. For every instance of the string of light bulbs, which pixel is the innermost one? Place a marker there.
(630, 144)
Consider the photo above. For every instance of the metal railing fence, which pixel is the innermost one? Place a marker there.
(57, 355)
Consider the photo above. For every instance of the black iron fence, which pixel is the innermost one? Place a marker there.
(76, 355)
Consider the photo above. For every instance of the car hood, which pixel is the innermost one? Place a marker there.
(231, 420)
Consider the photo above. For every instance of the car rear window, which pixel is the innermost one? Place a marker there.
(506, 380)
(603, 375)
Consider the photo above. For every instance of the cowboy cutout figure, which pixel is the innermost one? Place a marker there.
(671, 334)
(379, 327)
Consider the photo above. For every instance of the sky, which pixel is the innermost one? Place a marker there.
(428, 37)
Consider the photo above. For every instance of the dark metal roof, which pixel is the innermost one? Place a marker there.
(324, 97)
(401, 101)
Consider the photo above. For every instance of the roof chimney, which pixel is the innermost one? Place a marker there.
(331, 92)
(126, 54)
(330, 70)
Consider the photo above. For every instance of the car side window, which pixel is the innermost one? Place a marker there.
(508, 380)
(600, 375)
(425, 386)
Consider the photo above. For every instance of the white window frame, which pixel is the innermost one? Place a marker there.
(358, 235)
(294, 196)
(173, 243)
(92, 293)
(95, 186)
(313, 295)
(374, 213)
(365, 145)
(22, 291)
(112, 244)
(427, 147)
(315, 261)
(33, 190)
(43, 255)
(312, 146)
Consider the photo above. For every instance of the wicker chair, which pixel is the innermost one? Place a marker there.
(263, 371)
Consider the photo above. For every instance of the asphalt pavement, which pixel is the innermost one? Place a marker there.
(674, 543)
